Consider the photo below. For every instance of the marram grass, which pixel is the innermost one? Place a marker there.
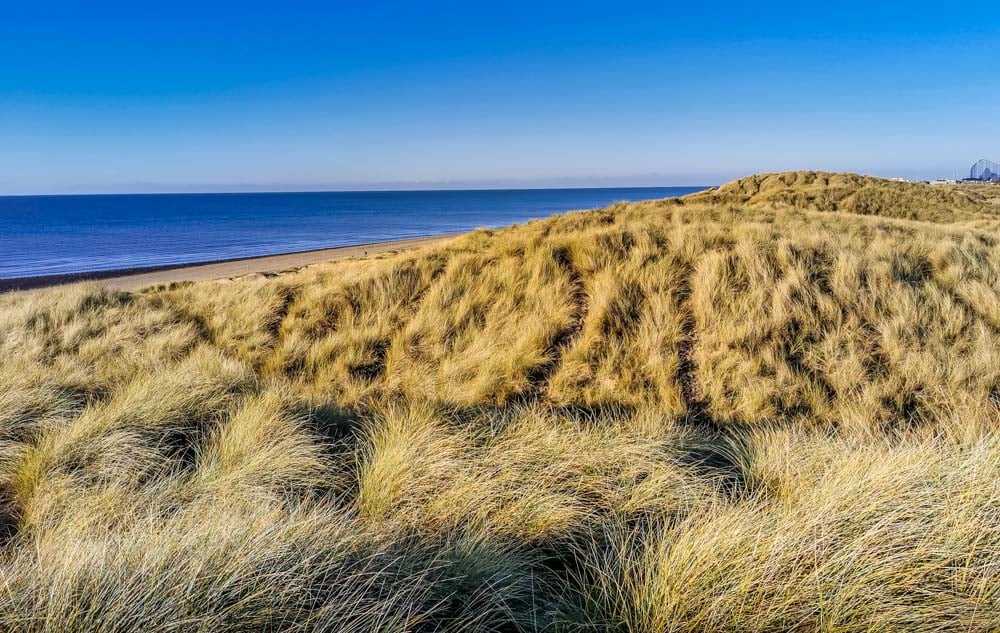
(767, 407)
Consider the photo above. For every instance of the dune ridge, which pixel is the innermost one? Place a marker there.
(770, 406)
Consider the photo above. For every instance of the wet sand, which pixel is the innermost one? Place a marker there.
(140, 278)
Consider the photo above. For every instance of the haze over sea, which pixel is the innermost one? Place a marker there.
(50, 235)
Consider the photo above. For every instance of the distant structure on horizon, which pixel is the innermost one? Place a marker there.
(985, 171)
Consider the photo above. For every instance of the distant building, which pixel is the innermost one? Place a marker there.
(985, 171)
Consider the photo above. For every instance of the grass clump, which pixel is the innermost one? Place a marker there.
(770, 406)
(834, 535)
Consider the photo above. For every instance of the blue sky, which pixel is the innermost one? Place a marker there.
(177, 96)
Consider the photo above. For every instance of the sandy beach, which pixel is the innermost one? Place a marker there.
(140, 278)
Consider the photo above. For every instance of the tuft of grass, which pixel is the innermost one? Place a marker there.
(523, 473)
(837, 534)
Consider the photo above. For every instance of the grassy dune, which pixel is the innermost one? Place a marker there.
(772, 406)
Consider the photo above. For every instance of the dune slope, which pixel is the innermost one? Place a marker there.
(769, 406)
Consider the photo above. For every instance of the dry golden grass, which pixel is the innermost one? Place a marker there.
(771, 406)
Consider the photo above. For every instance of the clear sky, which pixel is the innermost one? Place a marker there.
(195, 96)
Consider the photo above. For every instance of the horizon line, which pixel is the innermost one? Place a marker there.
(322, 191)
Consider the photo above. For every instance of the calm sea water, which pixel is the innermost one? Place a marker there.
(46, 235)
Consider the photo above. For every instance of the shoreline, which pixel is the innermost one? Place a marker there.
(144, 276)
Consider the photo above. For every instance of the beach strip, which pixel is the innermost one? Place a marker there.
(137, 278)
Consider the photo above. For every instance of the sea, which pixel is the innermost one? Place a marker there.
(53, 235)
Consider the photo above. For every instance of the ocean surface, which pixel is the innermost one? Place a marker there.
(48, 235)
